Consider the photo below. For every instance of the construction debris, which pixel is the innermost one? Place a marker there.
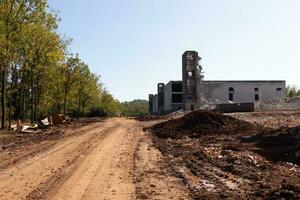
(279, 104)
(57, 119)
(46, 121)
(270, 119)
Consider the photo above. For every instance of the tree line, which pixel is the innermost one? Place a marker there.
(292, 91)
(38, 73)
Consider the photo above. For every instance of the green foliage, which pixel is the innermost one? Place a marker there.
(292, 91)
(109, 105)
(38, 74)
(135, 108)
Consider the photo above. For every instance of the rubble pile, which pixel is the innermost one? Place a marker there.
(210, 103)
(198, 123)
(270, 119)
(279, 104)
(230, 159)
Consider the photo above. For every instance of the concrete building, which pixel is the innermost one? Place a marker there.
(173, 96)
(193, 91)
(160, 93)
(191, 78)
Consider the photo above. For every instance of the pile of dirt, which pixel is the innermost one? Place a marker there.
(230, 159)
(198, 123)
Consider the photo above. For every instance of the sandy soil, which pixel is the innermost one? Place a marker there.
(112, 159)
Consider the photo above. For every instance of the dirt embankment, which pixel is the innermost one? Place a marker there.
(220, 157)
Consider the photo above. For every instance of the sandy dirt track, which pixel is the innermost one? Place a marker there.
(95, 163)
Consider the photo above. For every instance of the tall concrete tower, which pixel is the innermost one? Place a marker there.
(151, 103)
(191, 78)
(161, 98)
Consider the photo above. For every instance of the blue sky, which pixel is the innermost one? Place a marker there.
(134, 44)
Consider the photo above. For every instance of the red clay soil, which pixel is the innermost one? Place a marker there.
(220, 157)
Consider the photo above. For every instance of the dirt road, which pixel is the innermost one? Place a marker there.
(112, 159)
(94, 163)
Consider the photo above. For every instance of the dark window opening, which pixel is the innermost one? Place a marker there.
(231, 89)
(192, 107)
(256, 89)
(190, 98)
(230, 96)
(256, 97)
(176, 98)
(279, 89)
(176, 87)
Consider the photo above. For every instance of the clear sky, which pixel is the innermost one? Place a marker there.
(134, 44)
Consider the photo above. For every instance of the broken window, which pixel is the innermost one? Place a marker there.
(192, 107)
(231, 91)
(230, 96)
(279, 89)
(256, 89)
(176, 87)
(256, 97)
(190, 74)
(176, 98)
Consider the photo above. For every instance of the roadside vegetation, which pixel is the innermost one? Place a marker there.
(292, 91)
(135, 108)
(38, 73)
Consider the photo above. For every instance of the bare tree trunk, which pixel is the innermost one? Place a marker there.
(23, 104)
(32, 97)
(65, 102)
(79, 102)
(35, 106)
(9, 111)
(3, 92)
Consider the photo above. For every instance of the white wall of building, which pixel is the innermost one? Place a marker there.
(244, 91)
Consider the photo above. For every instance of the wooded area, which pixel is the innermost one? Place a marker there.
(39, 75)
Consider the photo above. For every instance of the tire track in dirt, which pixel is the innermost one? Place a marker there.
(22, 179)
(106, 172)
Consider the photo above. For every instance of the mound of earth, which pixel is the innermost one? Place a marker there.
(199, 123)
(225, 158)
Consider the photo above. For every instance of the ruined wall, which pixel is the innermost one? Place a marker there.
(155, 104)
(243, 91)
(169, 93)
(168, 96)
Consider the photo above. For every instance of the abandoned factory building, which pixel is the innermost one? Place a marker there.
(193, 92)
